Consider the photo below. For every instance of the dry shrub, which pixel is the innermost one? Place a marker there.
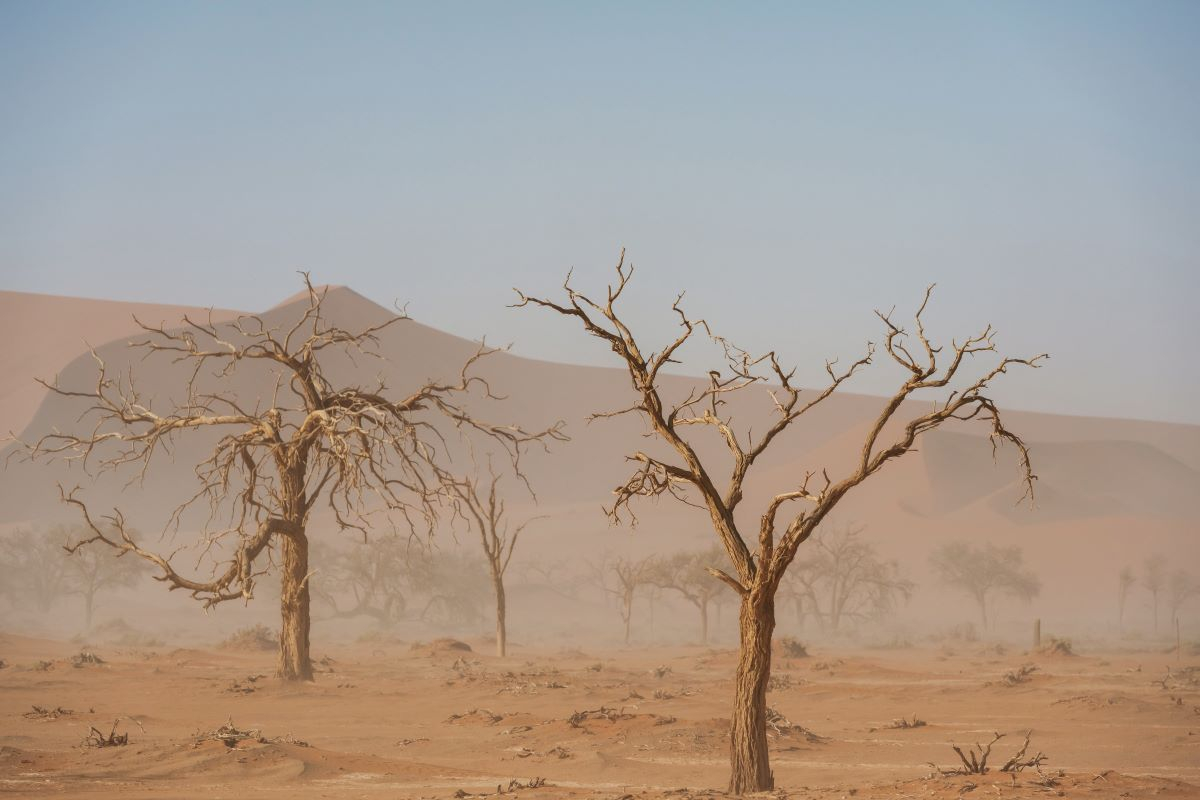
(791, 647)
(1056, 647)
(258, 637)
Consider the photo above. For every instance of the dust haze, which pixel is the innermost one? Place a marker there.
(323, 548)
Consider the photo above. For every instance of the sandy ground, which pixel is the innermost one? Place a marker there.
(390, 719)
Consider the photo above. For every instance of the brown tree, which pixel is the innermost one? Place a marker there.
(370, 574)
(1154, 578)
(687, 573)
(689, 476)
(484, 510)
(1125, 582)
(358, 449)
(843, 578)
(621, 578)
(985, 571)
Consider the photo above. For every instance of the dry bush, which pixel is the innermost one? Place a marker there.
(791, 647)
(1055, 646)
(257, 637)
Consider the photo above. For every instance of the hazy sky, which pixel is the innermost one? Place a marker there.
(793, 166)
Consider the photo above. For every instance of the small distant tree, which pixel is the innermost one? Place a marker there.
(1125, 581)
(621, 578)
(687, 573)
(92, 571)
(484, 509)
(1181, 588)
(34, 568)
(1154, 578)
(368, 578)
(985, 571)
(452, 587)
(843, 578)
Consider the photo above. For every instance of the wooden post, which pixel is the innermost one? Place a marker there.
(1037, 634)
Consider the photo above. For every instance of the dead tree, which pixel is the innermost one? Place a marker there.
(984, 571)
(1181, 588)
(621, 578)
(1154, 578)
(843, 578)
(33, 569)
(484, 510)
(1125, 582)
(687, 573)
(359, 450)
(91, 572)
(372, 574)
(688, 476)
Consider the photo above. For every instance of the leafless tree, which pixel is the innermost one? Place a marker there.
(843, 578)
(92, 571)
(34, 569)
(984, 571)
(485, 511)
(688, 476)
(1181, 588)
(1125, 582)
(359, 450)
(1154, 578)
(621, 578)
(687, 573)
(367, 578)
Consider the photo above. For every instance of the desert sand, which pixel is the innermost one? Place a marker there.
(398, 719)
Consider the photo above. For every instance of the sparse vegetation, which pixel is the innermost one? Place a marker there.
(984, 571)
(255, 637)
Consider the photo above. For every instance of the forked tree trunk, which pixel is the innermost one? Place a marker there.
(501, 613)
(748, 746)
(294, 661)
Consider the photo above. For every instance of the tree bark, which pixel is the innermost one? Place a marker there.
(748, 746)
(501, 613)
(295, 663)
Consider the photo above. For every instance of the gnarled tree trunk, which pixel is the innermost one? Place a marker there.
(295, 663)
(501, 612)
(748, 746)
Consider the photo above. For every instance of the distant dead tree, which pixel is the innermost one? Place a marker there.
(33, 565)
(687, 573)
(367, 578)
(621, 578)
(484, 509)
(1125, 582)
(1154, 578)
(682, 472)
(1181, 587)
(359, 450)
(92, 571)
(452, 587)
(985, 571)
(843, 578)
(37, 569)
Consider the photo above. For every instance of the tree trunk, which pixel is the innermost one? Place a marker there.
(89, 603)
(628, 609)
(982, 600)
(703, 621)
(501, 613)
(294, 661)
(748, 737)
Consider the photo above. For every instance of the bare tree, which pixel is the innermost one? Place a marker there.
(621, 578)
(34, 568)
(843, 578)
(1125, 582)
(687, 573)
(358, 449)
(91, 571)
(1154, 578)
(984, 571)
(1181, 588)
(371, 574)
(689, 476)
(485, 511)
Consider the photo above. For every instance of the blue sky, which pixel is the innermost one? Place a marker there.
(793, 166)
